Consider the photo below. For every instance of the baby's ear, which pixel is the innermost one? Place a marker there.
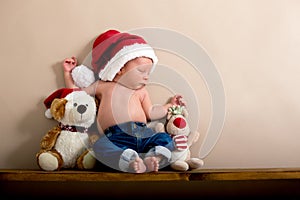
(121, 72)
(58, 108)
(118, 75)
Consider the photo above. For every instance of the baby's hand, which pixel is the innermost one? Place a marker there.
(69, 64)
(178, 100)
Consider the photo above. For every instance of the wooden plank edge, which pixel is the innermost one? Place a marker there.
(246, 174)
(27, 175)
(195, 175)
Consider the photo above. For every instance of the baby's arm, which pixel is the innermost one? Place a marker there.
(154, 112)
(68, 65)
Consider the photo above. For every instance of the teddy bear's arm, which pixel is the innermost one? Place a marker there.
(193, 137)
(159, 127)
(48, 141)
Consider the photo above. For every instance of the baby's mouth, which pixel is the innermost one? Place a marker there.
(142, 85)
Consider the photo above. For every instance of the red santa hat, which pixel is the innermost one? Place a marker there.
(60, 93)
(113, 49)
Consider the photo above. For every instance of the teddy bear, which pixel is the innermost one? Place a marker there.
(67, 145)
(177, 126)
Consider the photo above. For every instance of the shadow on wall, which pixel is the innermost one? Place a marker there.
(33, 126)
(84, 57)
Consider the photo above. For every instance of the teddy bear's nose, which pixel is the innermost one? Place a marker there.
(179, 122)
(81, 109)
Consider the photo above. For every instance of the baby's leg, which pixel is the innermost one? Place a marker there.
(152, 163)
(137, 165)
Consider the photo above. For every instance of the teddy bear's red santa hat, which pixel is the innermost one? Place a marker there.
(60, 93)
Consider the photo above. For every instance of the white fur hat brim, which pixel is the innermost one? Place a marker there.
(126, 54)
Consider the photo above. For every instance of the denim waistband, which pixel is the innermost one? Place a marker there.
(126, 127)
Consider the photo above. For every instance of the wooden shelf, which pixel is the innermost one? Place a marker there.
(205, 182)
(93, 176)
(199, 175)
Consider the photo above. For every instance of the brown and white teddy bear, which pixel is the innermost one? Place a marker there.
(177, 126)
(67, 145)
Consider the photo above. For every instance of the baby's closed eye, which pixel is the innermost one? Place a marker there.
(144, 72)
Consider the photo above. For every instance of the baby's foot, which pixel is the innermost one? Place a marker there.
(152, 164)
(137, 166)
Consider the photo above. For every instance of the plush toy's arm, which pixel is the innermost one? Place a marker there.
(180, 142)
(48, 141)
(160, 127)
(193, 137)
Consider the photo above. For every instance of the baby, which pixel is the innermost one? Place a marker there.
(123, 63)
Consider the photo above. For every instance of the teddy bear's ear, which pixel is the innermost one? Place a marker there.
(169, 115)
(57, 108)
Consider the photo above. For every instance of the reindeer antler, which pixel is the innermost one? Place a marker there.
(176, 110)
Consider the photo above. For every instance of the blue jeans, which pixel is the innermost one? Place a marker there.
(122, 143)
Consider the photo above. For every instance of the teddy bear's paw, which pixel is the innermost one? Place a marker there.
(49, 161)
(86, 161)
(180, 166)
(195, 163)
(160, 127)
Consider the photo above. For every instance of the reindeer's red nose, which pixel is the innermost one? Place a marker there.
(179, 122)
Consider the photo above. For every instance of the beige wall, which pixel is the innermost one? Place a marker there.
(254, 45)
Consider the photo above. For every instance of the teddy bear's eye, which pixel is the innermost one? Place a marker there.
(75, 104)
(87, 105)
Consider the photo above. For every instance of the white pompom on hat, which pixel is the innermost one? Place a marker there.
(83, 76)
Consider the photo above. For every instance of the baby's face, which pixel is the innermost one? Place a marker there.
(135, 73)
